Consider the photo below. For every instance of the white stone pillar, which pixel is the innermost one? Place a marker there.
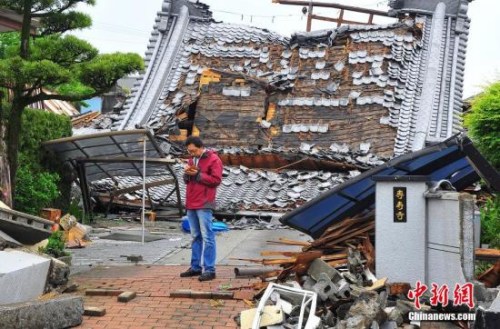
(400, 228)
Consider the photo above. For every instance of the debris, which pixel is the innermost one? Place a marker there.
(54, 215)
(21, 267)
(303, 302)
(270, 315)
(216, 303)
(25, 228)
(187, 293)
(58, 273)
(126, 296)
(491, 278)
(487, 254)
(252, 271)
(399, 288)
(94, 311)
(61, 312)
(103, 292)
(133, 258)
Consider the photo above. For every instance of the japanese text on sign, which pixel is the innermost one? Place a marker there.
(399, 204)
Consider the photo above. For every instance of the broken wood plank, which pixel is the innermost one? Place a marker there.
(369, 227)
(487, 254)
(491, 278)
(290, 242)
(279, 253)
(338, 263)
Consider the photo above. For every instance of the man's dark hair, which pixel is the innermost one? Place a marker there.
(196, 141)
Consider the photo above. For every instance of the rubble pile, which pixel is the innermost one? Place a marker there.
(330, 284)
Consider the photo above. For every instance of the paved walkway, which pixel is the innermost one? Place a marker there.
(153, 308)
(102, 265)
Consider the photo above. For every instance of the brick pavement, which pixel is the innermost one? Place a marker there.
(153, 308)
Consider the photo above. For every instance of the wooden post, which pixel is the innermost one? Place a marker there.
(309, 17)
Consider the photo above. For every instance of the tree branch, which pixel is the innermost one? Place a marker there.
(37, 13)
(44, 97)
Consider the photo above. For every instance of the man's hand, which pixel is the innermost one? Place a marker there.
(191, 170)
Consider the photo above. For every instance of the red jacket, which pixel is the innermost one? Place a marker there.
(201, 189)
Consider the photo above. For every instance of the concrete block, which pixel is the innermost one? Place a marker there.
(17, 266)
(126, 296)
(324, 287)
(319, 266)
(94, 311)
(486, 319)
(58, 273)
(308, 283)
(61, 312)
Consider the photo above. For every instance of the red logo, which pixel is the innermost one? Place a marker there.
(462, 294)
(420, 289)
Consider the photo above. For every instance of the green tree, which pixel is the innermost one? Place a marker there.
(483, 123)
(45, 58)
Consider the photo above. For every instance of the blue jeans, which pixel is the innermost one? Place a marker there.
(203, 244)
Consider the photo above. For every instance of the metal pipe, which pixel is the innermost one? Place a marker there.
(251, 272)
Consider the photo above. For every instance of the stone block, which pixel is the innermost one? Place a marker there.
(126, 296)
(61, 312)
(58, 273)
(20, 267)
(94, 311)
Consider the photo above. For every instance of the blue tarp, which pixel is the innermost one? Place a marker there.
(216, 226)
(455, 160)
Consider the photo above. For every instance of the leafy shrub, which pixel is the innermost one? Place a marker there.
(35, 190)
(490, 222)
(483, 123)
(40, 179)
(55, 246)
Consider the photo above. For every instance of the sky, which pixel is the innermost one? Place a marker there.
(126, 25)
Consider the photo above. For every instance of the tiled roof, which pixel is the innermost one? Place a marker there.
(248, 189)
(395, 86)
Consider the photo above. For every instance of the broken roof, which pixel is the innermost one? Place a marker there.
(396, 86)
(455, 160)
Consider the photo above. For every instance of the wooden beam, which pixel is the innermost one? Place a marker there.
(331, 5)
(341, 17)
(487, 254)
(309, 17)
(339, 20)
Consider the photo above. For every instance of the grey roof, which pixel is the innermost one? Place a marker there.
(420, 79)
(247, 189)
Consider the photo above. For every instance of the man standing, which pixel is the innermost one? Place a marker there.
(202, 175)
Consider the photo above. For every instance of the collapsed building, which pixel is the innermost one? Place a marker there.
(292, 117)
